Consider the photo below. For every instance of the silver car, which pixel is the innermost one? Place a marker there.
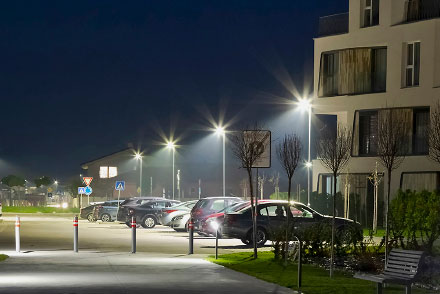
(180, 222)
(170, 212)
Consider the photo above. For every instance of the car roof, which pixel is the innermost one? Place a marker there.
(221, 197)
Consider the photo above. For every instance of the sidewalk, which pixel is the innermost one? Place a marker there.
(103, 272)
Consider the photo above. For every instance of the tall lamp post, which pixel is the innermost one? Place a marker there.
(170, 145)
(138, 156)
(306, 105)
(221, 132)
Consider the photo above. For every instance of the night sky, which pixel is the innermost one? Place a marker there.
(80, 79)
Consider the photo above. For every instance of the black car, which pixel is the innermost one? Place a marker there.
(210, 205)
(87, 212)
(149, 213)
(133, 202)
(272, 216)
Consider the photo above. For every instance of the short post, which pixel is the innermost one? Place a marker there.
(133, 234)
(75, 234)
(299, 264)
(191, 236)
(17, 233)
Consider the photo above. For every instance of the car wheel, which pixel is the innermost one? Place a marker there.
(90, 217)
(149, 222)
(261, 237)
(106, 218)
(245, 241)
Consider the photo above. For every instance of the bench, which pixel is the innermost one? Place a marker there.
(402, 268)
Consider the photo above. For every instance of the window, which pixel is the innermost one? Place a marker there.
(420, 138)
(353, 71)
(218, 205)
(419, 181)
(106, 172)
(412, 70)
(301, 212)
(368, 133)
(371, 13)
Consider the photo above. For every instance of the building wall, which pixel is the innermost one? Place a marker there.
(393, 34)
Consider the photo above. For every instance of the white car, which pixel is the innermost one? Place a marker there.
(180, 222)
(170, 212)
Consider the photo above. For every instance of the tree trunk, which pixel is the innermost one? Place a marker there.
(251, 191)
(332, 251)
(387, 227)
(286, 248)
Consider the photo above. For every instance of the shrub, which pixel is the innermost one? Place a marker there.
(415, 219)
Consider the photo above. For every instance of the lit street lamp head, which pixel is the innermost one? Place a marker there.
(220, 131)
(138, 156)
(304, 104)
(308, 164)
(170, 145)
(56, 182)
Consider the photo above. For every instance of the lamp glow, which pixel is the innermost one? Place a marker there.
(304, 104)
(308, 164)
(220, 131)
(170, 145)
(138, 156)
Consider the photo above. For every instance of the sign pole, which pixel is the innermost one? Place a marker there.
(119, 196)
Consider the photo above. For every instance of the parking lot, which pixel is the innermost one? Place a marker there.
(48, 232)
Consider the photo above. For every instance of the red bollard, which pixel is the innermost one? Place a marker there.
(133, 234)
(75, 234)
(191, 236)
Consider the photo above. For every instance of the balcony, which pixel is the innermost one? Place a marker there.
(417, 10)
(333, 25)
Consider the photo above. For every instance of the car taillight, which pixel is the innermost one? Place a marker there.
(170, 210)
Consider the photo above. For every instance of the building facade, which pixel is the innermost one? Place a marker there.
(382, 56)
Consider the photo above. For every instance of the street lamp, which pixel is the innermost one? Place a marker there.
(220, 131)
(138, 156)
(306, 105)
(56, 182)
(170, 145)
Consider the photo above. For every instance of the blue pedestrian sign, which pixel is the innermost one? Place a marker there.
(120, 185)
(88, 190)
(81, 190)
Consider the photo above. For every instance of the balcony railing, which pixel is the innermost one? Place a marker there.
(422, 9)
(333, 24)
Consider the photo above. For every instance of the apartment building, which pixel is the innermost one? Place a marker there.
(383, 55)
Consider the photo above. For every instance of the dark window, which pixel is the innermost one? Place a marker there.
(368, 133)
(379, 70)
(330, 74)
(371, 13)
(420, 138)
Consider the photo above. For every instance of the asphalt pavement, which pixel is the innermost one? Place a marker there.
(104, 264)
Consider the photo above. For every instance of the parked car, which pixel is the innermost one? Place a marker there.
(170, 212)
(210, 205)
(148, 214)
(133, 202)
(272, 215)
(87, 212)
(218, 217)
(180, 222)
(107, 211)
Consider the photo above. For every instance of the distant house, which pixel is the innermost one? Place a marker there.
(106, 170)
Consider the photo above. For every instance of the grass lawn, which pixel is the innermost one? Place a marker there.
(315, 280)
(39, 209)
(379, 233)
(3, 257)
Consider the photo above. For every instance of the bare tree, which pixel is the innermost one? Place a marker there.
(248, 147)
(392, 145)
(289, 153)
(434, 134)
(333, 150)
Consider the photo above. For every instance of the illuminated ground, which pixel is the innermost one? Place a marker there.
(104, 264)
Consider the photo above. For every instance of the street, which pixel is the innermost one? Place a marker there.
(104, 264)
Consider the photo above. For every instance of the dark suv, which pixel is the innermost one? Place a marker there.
(210, 205)
(133, 202)
(149, 213)
(272, 216)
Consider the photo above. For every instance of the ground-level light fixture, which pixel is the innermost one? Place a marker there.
(215, 225)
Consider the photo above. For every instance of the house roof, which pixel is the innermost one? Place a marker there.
(85, 165)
